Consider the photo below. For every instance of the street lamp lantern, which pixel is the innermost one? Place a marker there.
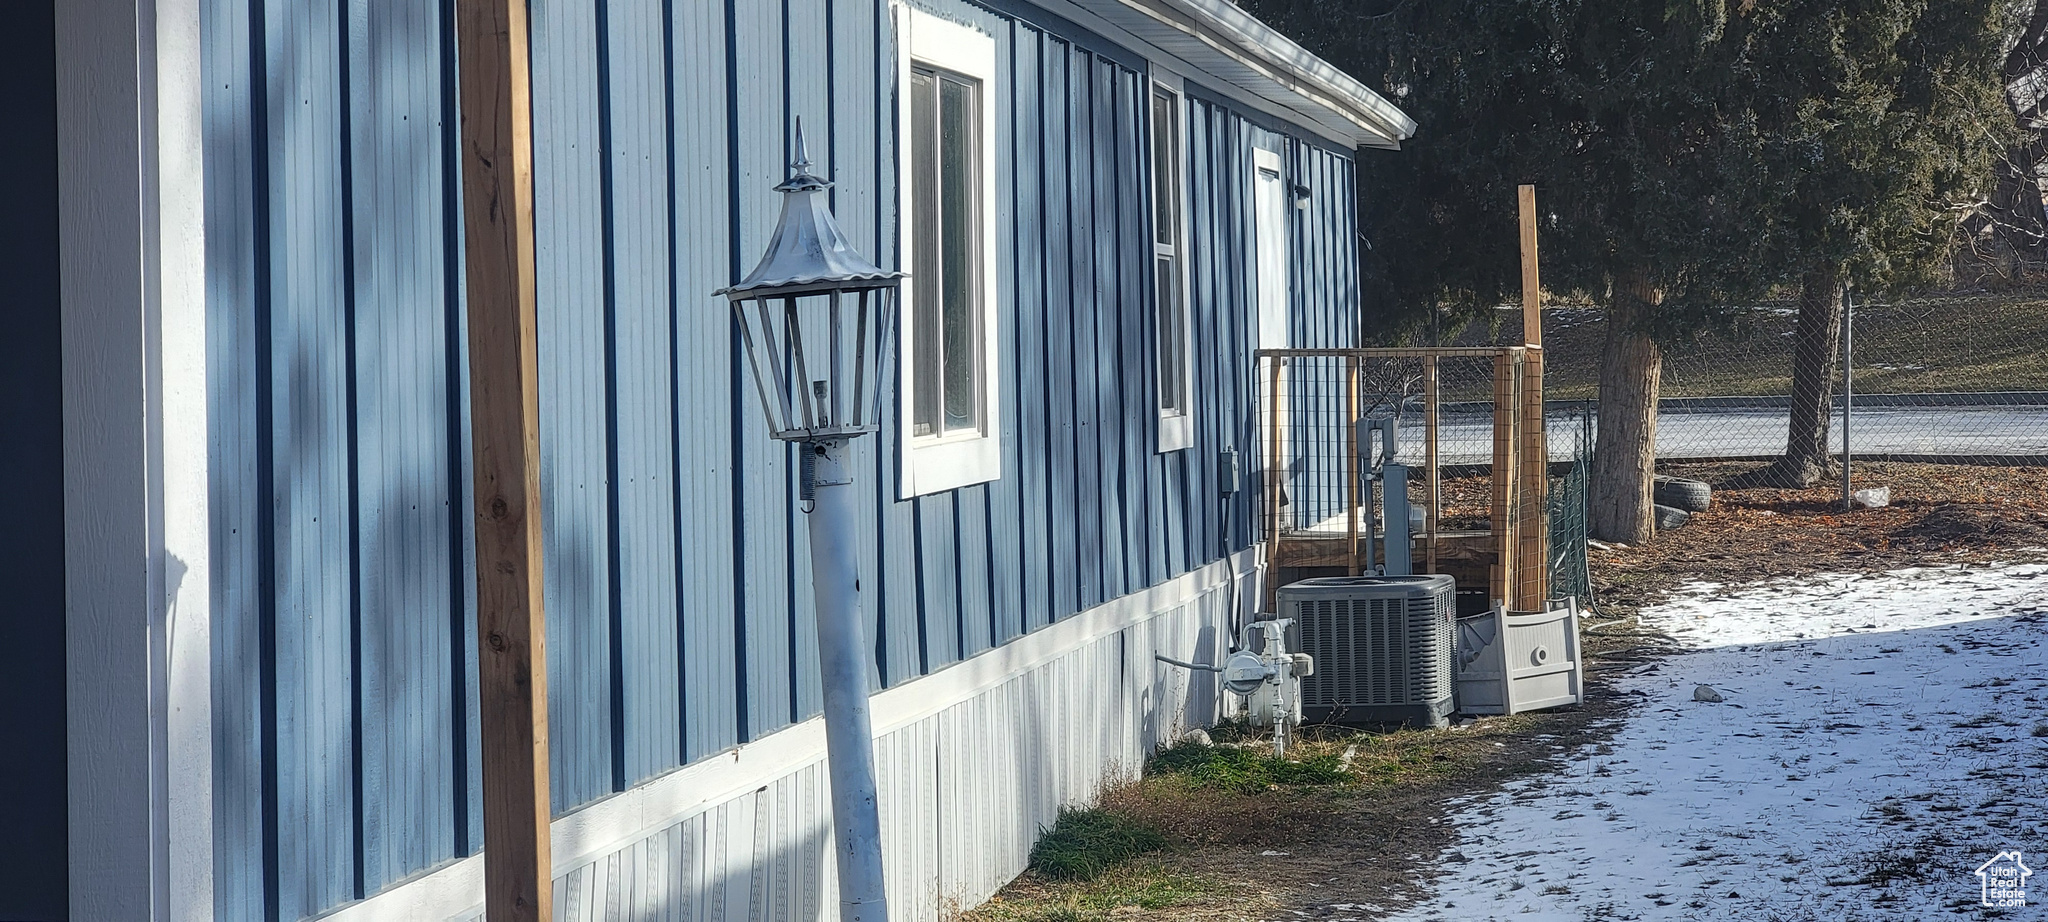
(818, 320)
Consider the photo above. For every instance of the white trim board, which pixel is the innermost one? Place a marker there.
(631, 816)
(131, 205)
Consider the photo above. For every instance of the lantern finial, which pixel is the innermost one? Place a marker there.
(800, 177)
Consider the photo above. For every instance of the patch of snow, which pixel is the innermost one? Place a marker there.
(1877, 746)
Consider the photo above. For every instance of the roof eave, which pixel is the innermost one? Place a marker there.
(1315, 84)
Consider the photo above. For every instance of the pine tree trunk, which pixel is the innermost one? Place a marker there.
(1625, 453)
(1814, 358)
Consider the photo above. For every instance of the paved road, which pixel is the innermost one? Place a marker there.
(1467, 438)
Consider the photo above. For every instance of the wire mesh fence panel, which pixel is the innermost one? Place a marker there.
(1313, 426)
(1960, 377)
(1570, 574)
(1346, 429)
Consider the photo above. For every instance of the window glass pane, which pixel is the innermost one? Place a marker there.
(1165, 167)
(1172, 339)
(960, 229)
(925, 352)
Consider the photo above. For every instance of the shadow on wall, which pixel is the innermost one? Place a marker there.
(671, 874)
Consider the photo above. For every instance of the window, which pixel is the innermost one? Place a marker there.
(946, 184)
(945, 200)
(1169, 270)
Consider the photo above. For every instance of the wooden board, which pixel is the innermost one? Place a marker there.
(1507, 444)
(497, 197)
(1332, 549)
(1352, 494)
(1532, 546)
(1274, 468)
(1532, 282)
(1433, 479)
(1532, 541)
(1532, 553)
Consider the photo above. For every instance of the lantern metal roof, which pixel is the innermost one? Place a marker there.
(808, 252)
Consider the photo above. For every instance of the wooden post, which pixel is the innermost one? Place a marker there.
(497, 212)
(1351, 460)
(1433, 486)
(1275, 473)
(1532, 585)
(1532, 282)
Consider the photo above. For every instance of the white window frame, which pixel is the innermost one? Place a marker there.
(1176, 430)
(934, 464)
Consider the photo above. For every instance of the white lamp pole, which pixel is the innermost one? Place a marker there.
(842, 664)
(818, 322)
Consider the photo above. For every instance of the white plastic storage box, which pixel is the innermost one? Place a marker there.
(1515, 661)
(1382, 647)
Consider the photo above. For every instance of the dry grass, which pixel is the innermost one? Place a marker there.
(1354, 840)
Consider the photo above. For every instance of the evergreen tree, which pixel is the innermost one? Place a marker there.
(1623, 114)
(1880, 123)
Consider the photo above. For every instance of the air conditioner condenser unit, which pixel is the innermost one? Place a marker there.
(1382, 647)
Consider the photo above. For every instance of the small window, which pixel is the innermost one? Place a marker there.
(945, 157)
(1170, 301)
(946, 186)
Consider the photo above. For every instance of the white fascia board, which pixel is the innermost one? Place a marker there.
(1236, 54)
(1254, 38)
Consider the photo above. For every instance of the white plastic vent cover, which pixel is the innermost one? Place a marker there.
(1515, 661)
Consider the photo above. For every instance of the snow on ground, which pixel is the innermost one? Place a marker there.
(1876, 745)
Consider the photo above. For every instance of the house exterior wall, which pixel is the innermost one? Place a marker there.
(677, 578)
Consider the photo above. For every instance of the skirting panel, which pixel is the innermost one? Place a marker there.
(973, 761)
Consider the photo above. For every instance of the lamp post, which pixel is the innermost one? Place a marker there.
(818, 321)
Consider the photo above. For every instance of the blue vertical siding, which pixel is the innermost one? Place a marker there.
(856, 131)
(404, 470)
(762, 501)
(311, 461)
(808, 56)
(240, 700)
(1001, 511)
(1037, 568)
(677, 587)
(704, 375)
(571, 245)
(1082, 195)
(642, 333)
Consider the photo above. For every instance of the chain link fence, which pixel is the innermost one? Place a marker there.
(1959, 377)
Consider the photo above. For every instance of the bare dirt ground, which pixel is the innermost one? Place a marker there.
(1369, 848)
(1938, 514)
